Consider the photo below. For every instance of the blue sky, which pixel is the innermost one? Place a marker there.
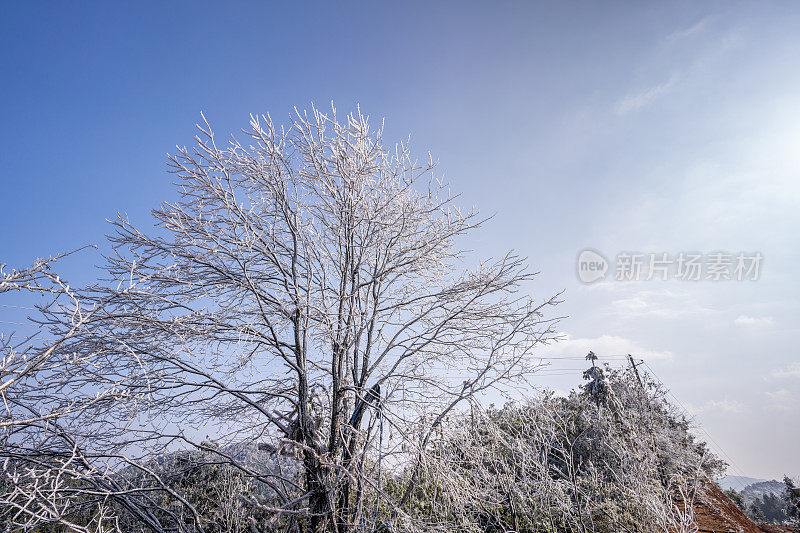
(619, 127)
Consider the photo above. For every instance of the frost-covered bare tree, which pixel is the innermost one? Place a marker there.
(306, 281)
(54, 400)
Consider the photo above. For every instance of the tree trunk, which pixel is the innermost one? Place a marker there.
(319, 510)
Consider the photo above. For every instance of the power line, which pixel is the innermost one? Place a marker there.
(686, 411)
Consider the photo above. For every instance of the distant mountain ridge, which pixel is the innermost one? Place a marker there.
(757, 490)
(738, 483)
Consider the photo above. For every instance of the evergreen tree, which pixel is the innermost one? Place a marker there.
(792, 498)
(596, 388)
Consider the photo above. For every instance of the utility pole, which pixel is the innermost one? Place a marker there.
(641, 385)
(649, 420)
(636, 371)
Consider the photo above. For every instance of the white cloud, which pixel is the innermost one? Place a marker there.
(638, 100)
(688, 32)
(792, 371)
(782, 400)
(724, 406)
(639, 306)
(657, 303)
(634, 303)
(604, 345)
(750, 321)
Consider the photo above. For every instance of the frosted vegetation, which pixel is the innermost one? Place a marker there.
(300, 345)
